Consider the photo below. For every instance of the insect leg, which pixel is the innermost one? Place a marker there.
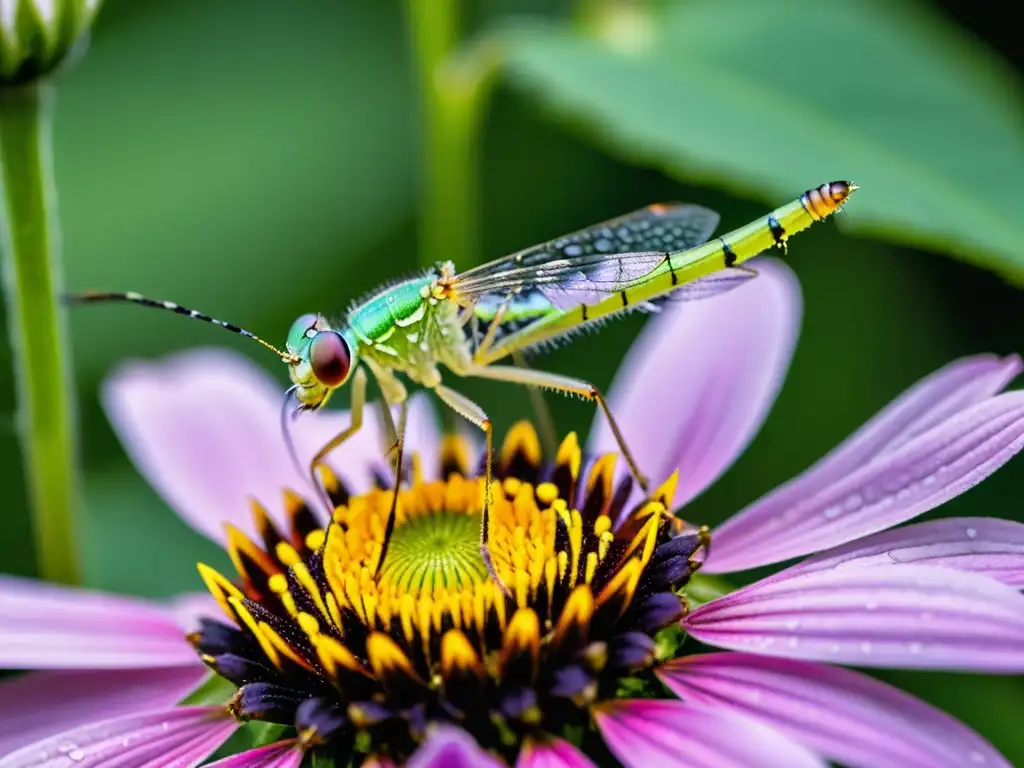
(472, 412)
(399, 460)
(492, 329)
(545, 421)
(357, 406)
(568, 385)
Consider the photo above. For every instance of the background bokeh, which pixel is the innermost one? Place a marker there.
(259, 160)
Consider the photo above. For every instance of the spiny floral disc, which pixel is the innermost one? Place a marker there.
(363, 632)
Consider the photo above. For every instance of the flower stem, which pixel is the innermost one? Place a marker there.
(38, 334)
(453, 87)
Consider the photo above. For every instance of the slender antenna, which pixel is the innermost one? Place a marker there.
(95, 297)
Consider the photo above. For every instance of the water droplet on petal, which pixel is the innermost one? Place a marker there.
(853, 503)
(977, 758)
(865, 647)
(66, 747)
(831, 513)
(793, 625)
(871, 605)
(971, 533)
(77, 755)
(794, 642)
(915, 647)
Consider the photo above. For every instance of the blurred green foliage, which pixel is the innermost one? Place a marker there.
(257, 161)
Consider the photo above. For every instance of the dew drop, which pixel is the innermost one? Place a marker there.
(831, 513)
(972, 533)
(853, 503)
(793, 625)
(976, 757)
(871, 605)
(835, 648)
(794, 642)
(77, 755)
(929, 480)
(865, 647)
(65, 748)
(905, 493)
(915, 647)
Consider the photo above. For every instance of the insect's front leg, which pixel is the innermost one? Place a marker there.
(356, 411)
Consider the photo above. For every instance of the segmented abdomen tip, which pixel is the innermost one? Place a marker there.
(840, 191)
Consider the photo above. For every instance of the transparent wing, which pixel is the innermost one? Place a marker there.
(596, 260)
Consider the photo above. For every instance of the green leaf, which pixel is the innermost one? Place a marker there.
(769, 99)
(212, 691)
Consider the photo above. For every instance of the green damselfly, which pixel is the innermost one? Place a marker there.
(469, 322)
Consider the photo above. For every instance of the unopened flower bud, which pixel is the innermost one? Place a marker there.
(36, 36)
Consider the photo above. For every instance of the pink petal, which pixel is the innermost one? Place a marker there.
(845, 716)
(39, 704)
(555, 753)
(171, 738)
(283, 754)
(924, 472)
(899, 616)
(671, 734)
(696, 386)
(985, 545)
(189, 609)
(449, 747)
(44, 626)
(203, 427)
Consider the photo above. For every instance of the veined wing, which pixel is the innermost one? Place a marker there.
(599, 259)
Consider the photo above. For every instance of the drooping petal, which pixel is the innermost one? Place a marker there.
(671, 734)
(899, 616)
(985, 545)
(182, 737)
(44, 626)
(39, 704)
(556, 753)
(204, 428)
(696, 386)
(924, 472)
(843, 715)
(449, 747)
(281, 754)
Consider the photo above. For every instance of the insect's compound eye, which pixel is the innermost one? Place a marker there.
(330, 358)
(299, 334)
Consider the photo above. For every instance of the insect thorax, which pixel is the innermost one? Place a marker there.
(405, 328)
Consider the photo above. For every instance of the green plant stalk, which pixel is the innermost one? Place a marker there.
(36, 320)
(453, 86)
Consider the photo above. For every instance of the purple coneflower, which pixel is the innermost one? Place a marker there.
(419, 657)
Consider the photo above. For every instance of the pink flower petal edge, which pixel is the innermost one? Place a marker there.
(450, 747)
(181, 737)
(911, 616)
(282, 754)
(696, 386)
(843, 715)
(927, 403)
(985, 545)
(673, 734)
(39, 704)
(555, 753)
(203, 427)
(44, 626)
(925, 471)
